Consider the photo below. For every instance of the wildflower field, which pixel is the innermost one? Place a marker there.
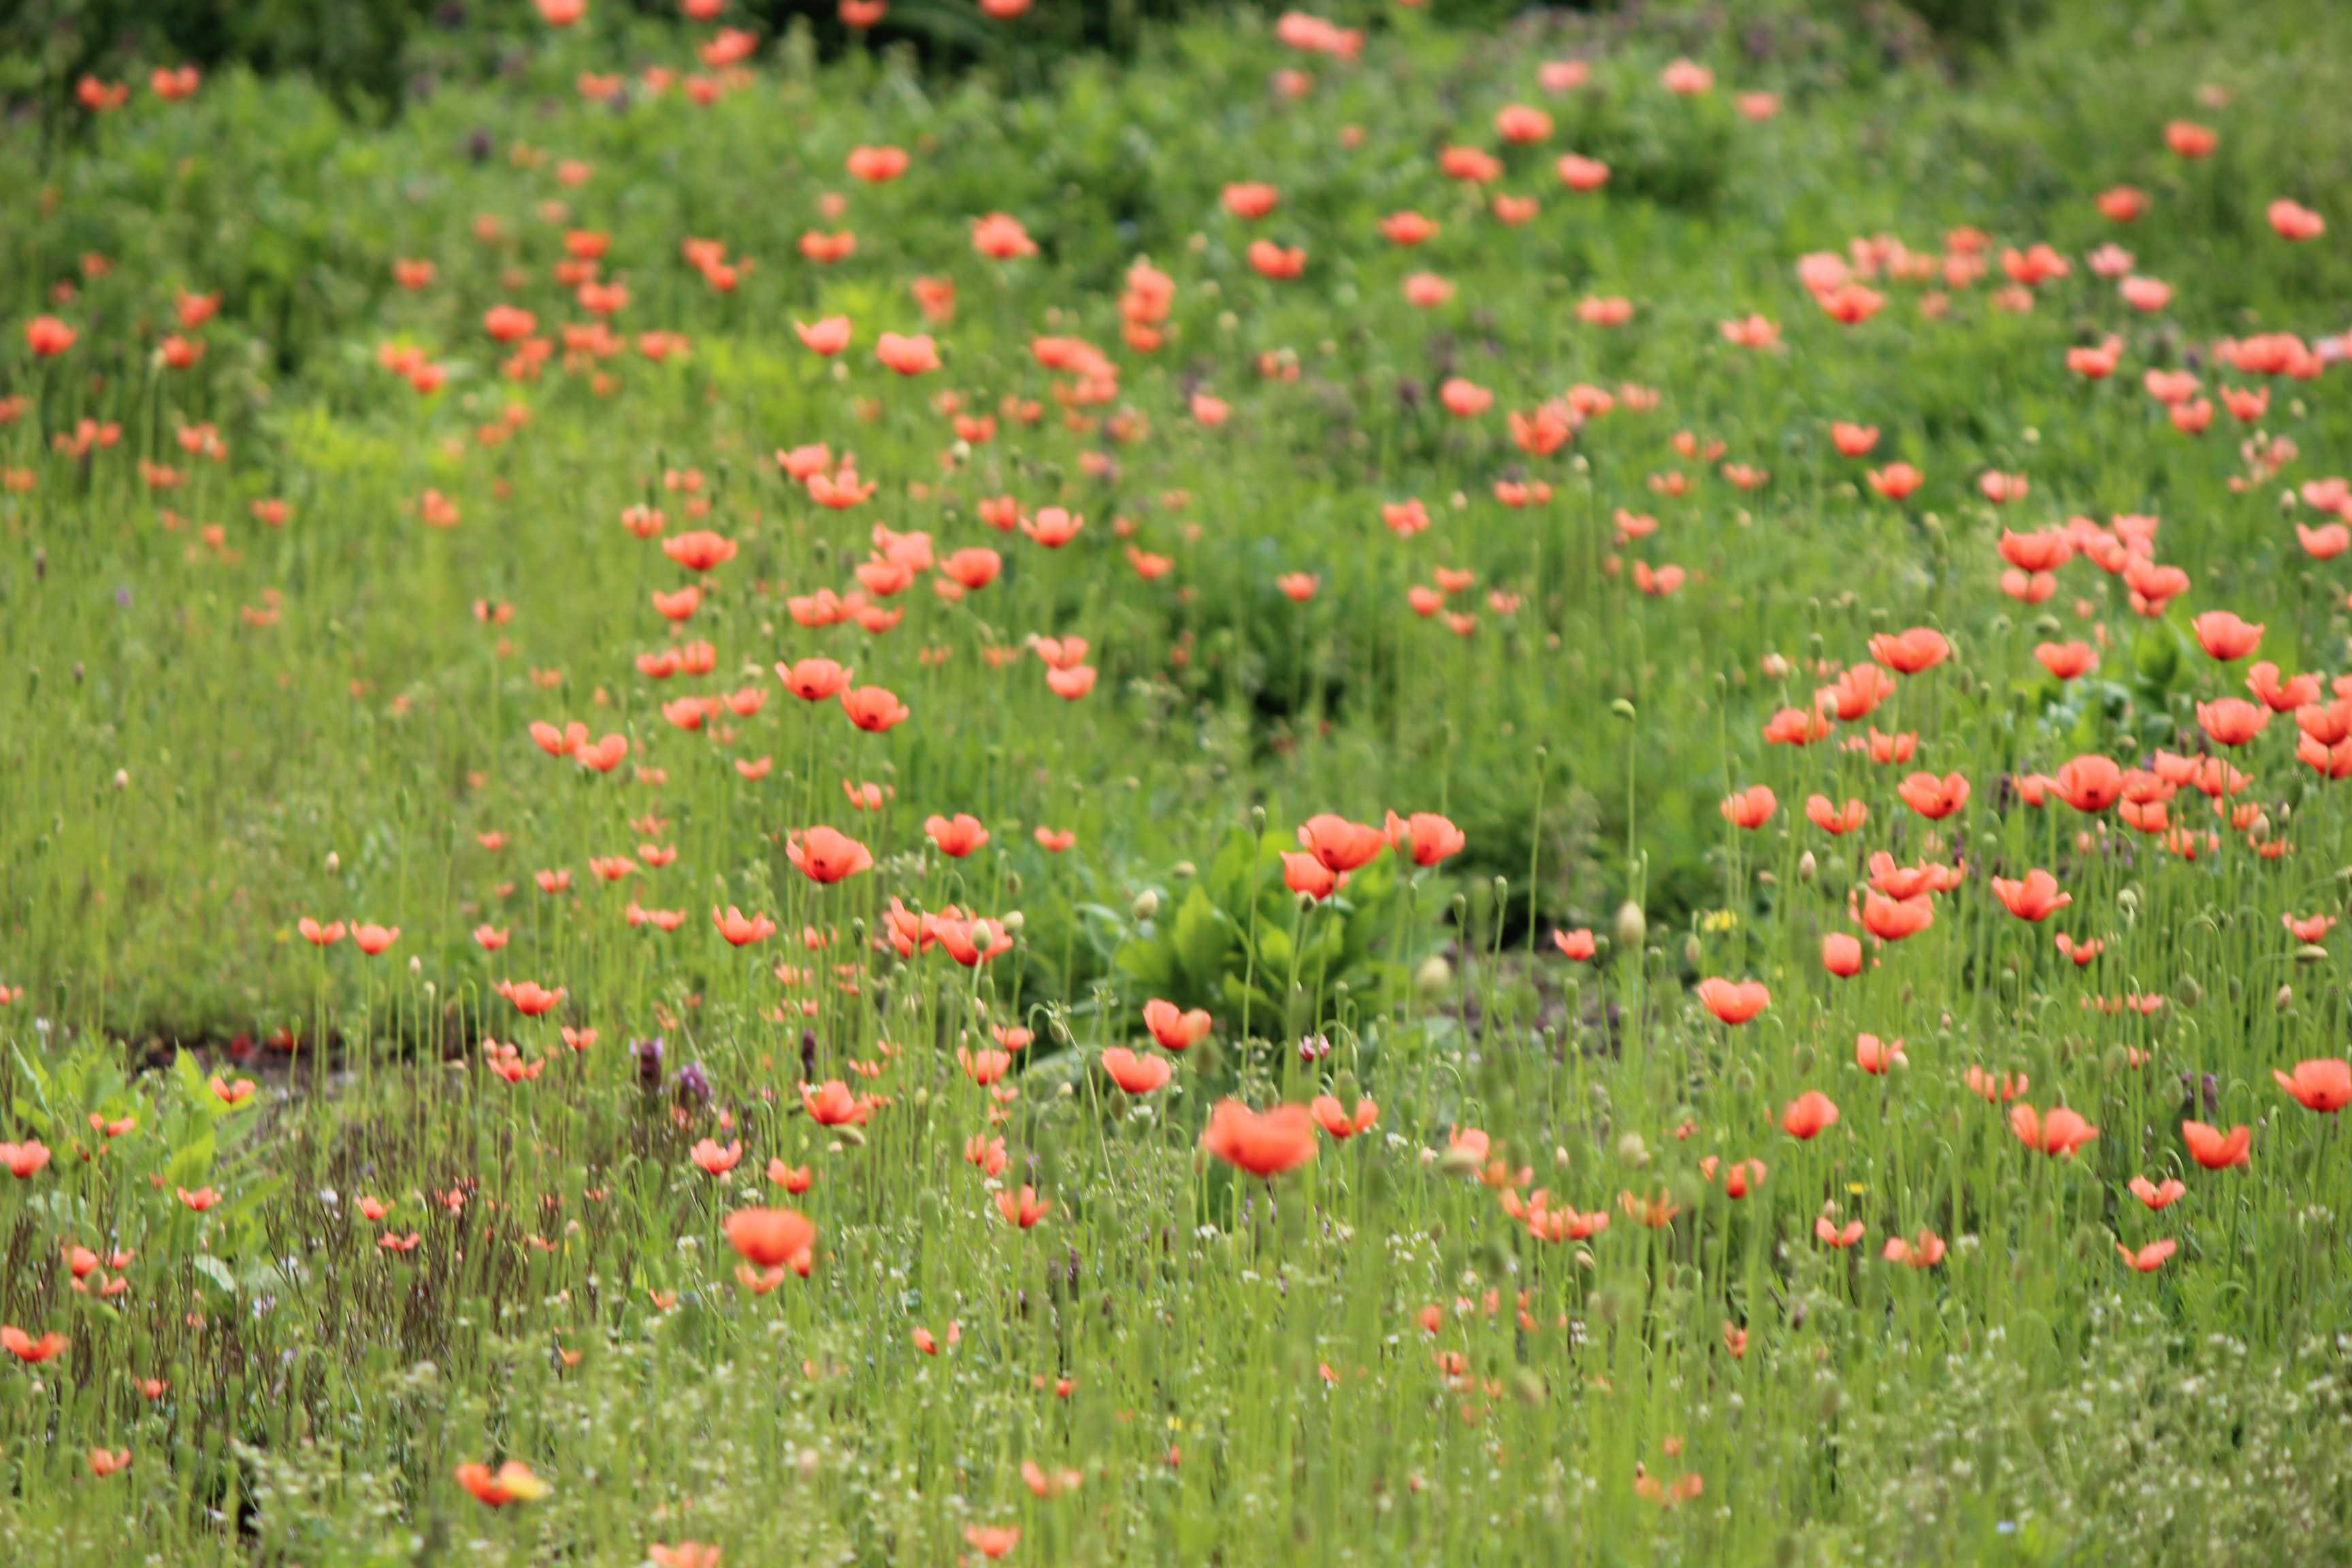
(1378, 787)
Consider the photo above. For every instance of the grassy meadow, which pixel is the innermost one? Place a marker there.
(1368, 790)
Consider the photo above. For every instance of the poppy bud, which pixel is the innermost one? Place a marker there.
(1184, 871)
(1147, 904)
(2128, 901)
(1630, 928)
(1807, 868)
(121, 778)
(334, 863)
(2286, 998)
(1631, 1151)
(2311, 952)
(1012, 923)
(1694, 956)
(1434, 974)
(2189, 993)
(1622, 710)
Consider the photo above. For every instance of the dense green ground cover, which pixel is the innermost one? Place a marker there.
(345, 468)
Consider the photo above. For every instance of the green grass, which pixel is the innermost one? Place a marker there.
(213, 729)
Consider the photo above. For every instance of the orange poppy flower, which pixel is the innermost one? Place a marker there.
(2324, 1085)
(1841, 954)
(1425, 837)
(1337, 1120)
(772, 1238)
(1809, 1115)
(1892, 919)
(957, 837)
(1733, 1001)
(1340, 845)
(1263, 1143)
(1579, 946)
(1750, 808)
(1932, 797)
(2035, 897)
(909, 356)
(872, 709)
(25, 1348)
(1896, 481)
(1875, 1056)
(2213, 1149)
(1175, 1029)
(1829, 1233)
(2059, 1133)
(1833, 818)
(831, 1104)
(2226, 636)
(1023, 1208)
(1002, 237)
(1923, 1251)
(1135, 1074)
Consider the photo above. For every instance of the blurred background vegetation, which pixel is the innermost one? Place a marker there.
(373, 56)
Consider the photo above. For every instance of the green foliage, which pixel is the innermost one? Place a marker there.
(1234, 939)
(360, 51)
(448, 1231)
